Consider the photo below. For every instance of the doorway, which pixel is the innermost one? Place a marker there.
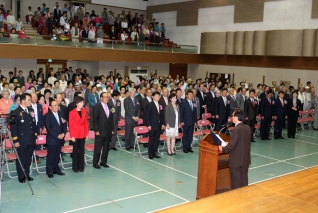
(178, 69)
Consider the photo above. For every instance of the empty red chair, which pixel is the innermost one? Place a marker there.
(139, 131)
(40, 140)
(121, 132)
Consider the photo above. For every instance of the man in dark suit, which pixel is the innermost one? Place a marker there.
(251, 109)
(112, 33)
(104, 129)
(56, 127)
(57, 12)
(141, 96)
(239, 149)
(21, 79)
(202, 98)
(211, 102)
(132, 113)
(179, 99)
(115, 103)
(188, 119)
(266, 111)
(24, 135)
(280, 114)
(117, 25)
(146, 101)
(222, 110)
(154, 120)
(63, 110)
(51, 22)
(39, 118)
(11, 77)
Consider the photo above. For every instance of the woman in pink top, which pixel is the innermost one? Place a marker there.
(22, 33)
(45, 107)
(5, 103)
(28, 84)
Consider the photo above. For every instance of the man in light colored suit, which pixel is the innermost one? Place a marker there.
(241, 99)
(232, 99)
(115, 103)
(132, 114)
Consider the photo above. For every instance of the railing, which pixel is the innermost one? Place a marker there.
(68, 41)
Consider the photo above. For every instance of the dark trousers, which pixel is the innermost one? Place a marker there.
(154, 136)
(37, 147)
(265, 127)
(251, 124)
(220, 122)
(52, 159)
(187, 136)
(292, 124)
(25, 153)
(78, 154)
(239, 176)
(91, 122)
(114, 136)
(101, 143)
(129, 136)
(278, 128)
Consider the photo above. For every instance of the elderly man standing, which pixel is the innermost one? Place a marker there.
(56, 127)
(114, 102)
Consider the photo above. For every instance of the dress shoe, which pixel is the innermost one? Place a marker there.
(156, 156)
(289, 136)
(263, 139)
(29, 178)
(104, 165)
(190, 150)
(169, 153)
(150, 157)
(161, 143)
(185, 151)
(253, 140)
(276, 137)
(131, 147)
(128, 148)
(21, 180)
(281, 137)
(145, 145)
(81, 170)
(58, 173)
(96, 166)
(114, 148)
(50, 175)
(76, 171)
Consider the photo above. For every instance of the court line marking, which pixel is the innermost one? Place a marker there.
(302, 134)
(282, 175)
(149, 183)
(306, 142)
(166, 207)
(302, 156)
(265, 156)
(295, 164)
(158, 163)
(255, 167)
(112, 201)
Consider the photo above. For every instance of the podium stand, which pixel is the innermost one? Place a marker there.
(213, 172)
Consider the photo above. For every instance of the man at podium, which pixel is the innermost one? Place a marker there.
(239, 151)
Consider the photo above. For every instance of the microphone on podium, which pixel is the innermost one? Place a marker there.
(226, 125)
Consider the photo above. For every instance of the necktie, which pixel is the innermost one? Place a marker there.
(191, 105)
(253, 102)
(106, 110)
(57, 118)
(281, 100)
(133, 101)
(157, 107)
(26, 110)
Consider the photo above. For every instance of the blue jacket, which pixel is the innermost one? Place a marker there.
(91, 99)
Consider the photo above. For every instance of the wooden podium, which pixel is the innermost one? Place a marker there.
(213, 172)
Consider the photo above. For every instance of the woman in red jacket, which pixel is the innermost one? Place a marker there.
(78, 126)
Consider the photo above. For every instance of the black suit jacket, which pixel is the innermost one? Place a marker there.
(152, 117)
(220, 109)
(279, 110)
(117, 26)
(179, 102)
(117, 108)
(266, 108)
(239, 146)
(144, 105)
(57, 13)
(162, 102)
(210, 102)
(102, 124)
(54, 128)
(64, 111)
(250, 110)
(112, 34)
(291, 104)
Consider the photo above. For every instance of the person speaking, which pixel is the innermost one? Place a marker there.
(239, 149)
(56, 128)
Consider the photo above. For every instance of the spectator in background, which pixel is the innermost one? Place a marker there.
(105, 16)
(18, 25)
(124, 36)
(75, 33)
(91, 35)
(13, 33)
(80, 13)
(16, 103)
(85, 34)
(98, 21)
(30, 14)
(93, 99)
(111, 19)
(22, 34)
(10, 20)
(69, 91)
(67, 26)
(100, 34)
(124, 24)
(70, 14)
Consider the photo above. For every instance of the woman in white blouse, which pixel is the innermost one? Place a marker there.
(91, 34)
(124, 24)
